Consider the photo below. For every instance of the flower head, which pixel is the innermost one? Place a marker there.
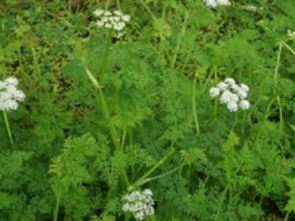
(231, 94)
(10, 95)
(216, 3)
(115, 20)
(140, 204)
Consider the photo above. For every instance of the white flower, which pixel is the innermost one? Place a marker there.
(148, 192)
(234, 98)
(126, 18)
(115, 20)
(226, 97)
(100, 24)
(223, 2)
(242, 93)
(231, 94)
(98, 12)
(140, 204)
(107, 13)
(211, 3)
(222, 86)
(251, 8)
(216, 3)
(245, 87)
(232, 106)
(244, 104)
(10, 95)
(214, 92)
(230, 81)
(12, 81)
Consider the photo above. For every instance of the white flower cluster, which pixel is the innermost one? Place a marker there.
(10, 95)
(115, 20)
(231, 94)
(216, 3)
(140, 204)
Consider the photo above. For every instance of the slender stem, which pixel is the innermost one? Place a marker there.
(222, 200)
(281, 114)
(141, 179)
(278, 63)
(113, 131)
(105, 108)
(123, 139)
(158, 177)
(7, 127)
(195, 107)
(118, 4)
(267, 111)
(107, 4)
(148, 9)
(56, 209)
(287, 216)
(288, 47)
(35, 61)
(106, 51)
(70, 6)
(179, 42)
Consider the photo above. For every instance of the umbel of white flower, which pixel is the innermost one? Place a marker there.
(216, 3)
(10, 95)
(140, 204)
(115, 20)
(231, 94)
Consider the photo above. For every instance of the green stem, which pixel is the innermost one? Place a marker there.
(105, 108)
(8, 131)
(278, 63)
(141, 179)
(35, 61)
(195, 107)
(221, 201)
(106, 51)
(56, 209)
(281, 114)
(158, 177)
(148, 10)
(179, 42)
(288, 47)
(106, 112)
(287, 216)
(267, 112)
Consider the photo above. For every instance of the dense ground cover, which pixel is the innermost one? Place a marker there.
(111, 112)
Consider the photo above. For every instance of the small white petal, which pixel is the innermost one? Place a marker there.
(223, 2)
(98, 12)
(230, 81)
(245, 87)
(244, 105)
(214, 92)
(226, 97)
(222, 86)
(11, 81)
(242, 94)
(211, 3)
(232, 106)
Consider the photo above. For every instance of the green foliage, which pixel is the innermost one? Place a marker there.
(82, 143)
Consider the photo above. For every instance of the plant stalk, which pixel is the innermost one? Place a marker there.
(141, 179)
(56, 209)
(7, 127)
(195, 108)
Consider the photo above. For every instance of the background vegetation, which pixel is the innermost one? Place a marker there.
(150, 122)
